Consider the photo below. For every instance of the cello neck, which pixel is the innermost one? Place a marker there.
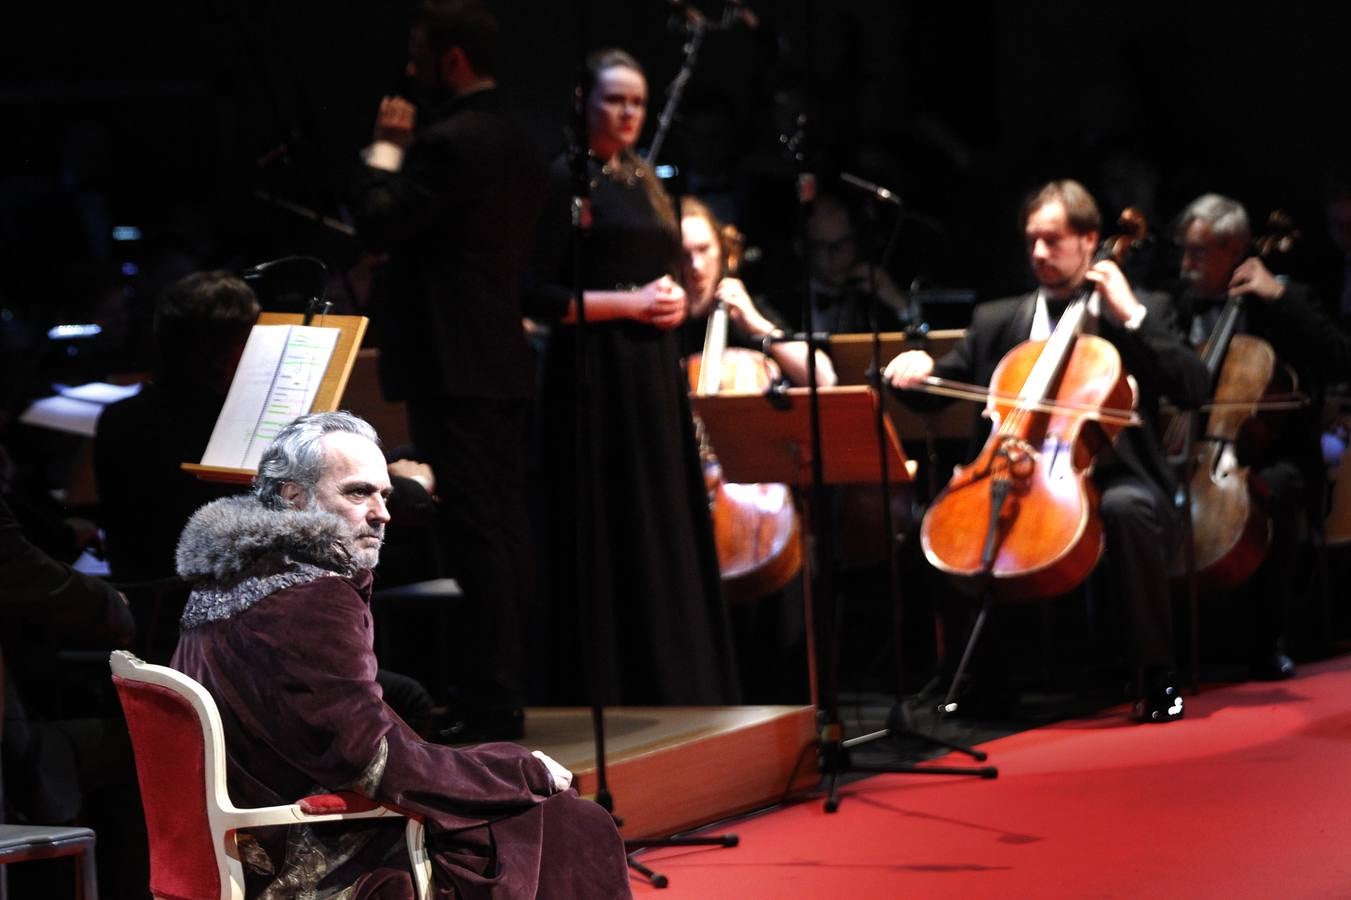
(732, 243)
(1041, 380)
(1217, 342)
(715, 342)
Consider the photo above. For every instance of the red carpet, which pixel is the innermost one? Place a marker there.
(1249, 796)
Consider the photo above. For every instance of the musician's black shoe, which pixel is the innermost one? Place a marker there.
(1162, 703)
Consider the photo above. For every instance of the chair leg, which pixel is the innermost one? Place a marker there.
(86, 872)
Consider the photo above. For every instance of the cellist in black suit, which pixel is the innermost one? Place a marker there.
(1215, 237)
(1061, 226)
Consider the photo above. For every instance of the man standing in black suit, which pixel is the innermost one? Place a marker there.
(451, 190)
(1061, 224)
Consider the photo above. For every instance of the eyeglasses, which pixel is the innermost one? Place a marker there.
(831, 247)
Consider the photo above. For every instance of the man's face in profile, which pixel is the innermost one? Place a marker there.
(355, 486)
(1208, 260)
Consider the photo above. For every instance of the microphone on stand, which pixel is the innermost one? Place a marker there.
(868, 187)
(291, 283)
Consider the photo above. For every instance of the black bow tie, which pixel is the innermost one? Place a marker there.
(1056, 308)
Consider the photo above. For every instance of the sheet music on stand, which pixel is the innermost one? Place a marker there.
(288, 369)
(277, 380)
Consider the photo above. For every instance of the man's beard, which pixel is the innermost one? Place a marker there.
(1054, 279)
(367, 557)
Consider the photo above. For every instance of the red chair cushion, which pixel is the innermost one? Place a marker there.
(171, 767)
(325, 804)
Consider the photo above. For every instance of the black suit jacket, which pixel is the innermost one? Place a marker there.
(458, 220)
(1162, 365)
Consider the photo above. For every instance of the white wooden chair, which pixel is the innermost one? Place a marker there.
(179, 744)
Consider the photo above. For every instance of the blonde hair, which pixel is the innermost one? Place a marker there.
(694, 208)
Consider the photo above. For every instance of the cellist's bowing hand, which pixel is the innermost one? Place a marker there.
(908, 369)
(741, 309)
(1116, 292)
(1251, 277)
(661, 303)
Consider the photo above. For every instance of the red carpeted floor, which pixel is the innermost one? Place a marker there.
(1248, 796)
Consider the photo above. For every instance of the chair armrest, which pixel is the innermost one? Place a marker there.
(334, 808)
(293, 813)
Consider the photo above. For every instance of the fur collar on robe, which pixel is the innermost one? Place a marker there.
(240, 551)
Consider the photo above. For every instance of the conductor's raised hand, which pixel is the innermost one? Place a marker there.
(908, 369)
(395, 121)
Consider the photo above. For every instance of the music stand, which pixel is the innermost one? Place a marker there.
(331, 387)
(852, 354)
(764, 438)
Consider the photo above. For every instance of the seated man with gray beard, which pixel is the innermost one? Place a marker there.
(278, 629)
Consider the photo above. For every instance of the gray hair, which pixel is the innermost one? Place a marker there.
(296, 454)
(1226, 218)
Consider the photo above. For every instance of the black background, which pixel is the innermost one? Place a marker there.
(174, 116)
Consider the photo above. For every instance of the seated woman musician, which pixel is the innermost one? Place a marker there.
(709, 277)
(759, 579)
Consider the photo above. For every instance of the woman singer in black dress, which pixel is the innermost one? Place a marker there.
(652, 619)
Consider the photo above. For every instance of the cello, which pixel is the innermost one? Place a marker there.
(1053, 404)
(755, 526)
(1230, 530)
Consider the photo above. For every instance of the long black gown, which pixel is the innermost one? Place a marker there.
(651, 619)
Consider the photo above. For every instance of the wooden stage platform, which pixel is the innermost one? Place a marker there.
(670, 769)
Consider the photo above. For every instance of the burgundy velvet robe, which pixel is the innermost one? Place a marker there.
(294, 677)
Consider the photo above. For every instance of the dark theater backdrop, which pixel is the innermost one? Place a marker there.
(218, 128)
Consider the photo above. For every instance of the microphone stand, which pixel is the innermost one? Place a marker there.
(696, 25)
(899, 721)
(584, 476)
(578, 164)
(586, 480)
(833, 748)
(695, 28)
